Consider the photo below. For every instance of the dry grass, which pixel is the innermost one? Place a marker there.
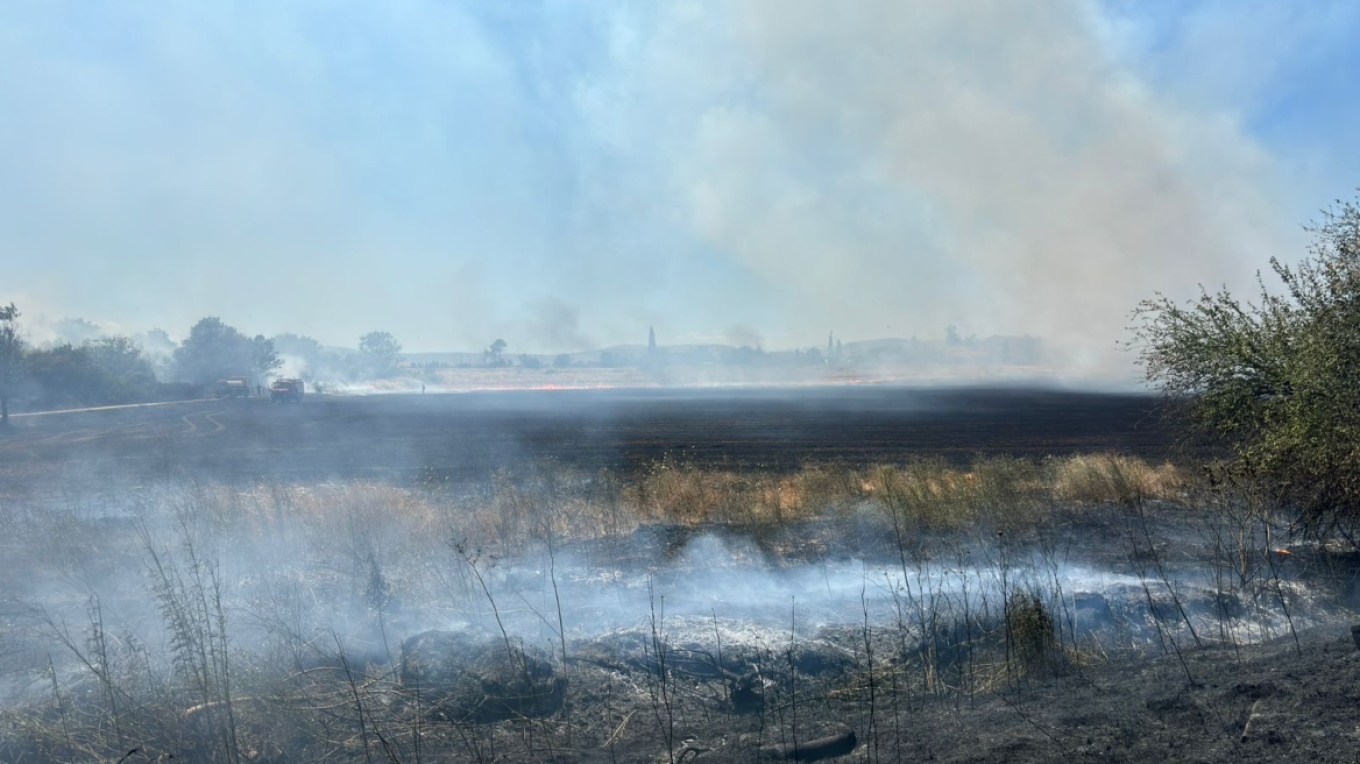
(931, 493)
(557, 506)
(686, 495)
(935, 496)
(1111, 478)
(1032, 635)
(344, 554)
(360, 519)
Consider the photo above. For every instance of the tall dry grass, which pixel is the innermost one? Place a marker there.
(686, 495)
(361, 520)
(936, 496)
(933, 493)
(1112, 478)
(356, 547)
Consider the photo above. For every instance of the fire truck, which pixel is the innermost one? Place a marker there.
(286, 390)
(232, 387)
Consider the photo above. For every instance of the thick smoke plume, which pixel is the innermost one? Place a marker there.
(562, 175)
(906, 166)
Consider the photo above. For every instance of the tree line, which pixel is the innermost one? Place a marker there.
(114, 370)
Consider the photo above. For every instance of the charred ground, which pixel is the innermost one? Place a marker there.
(659, 576)
(468, 436)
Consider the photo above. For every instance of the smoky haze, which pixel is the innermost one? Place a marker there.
(566, 176)
(614, 380)
(975, 163)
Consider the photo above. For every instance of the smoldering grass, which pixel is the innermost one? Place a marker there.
(384, 547)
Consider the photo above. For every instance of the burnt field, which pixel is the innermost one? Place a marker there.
(852, 574)
(457, 436)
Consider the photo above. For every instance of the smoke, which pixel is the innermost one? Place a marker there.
(564, 174)
(305, 569)
(743, 336)
(76, 330)
(979, 163)
(553, 325)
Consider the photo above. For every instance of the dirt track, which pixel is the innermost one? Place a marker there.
(415, 437)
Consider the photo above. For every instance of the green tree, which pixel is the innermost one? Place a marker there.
(128, 372)
(11, 357)
(110, 370)
(495, 352)
(1275, 383)
(379, 353)
(62, 376)
(263, 359)
(215, 350)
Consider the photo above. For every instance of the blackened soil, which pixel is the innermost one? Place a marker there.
(1294, 698)
(1276, 702)
(463, 436)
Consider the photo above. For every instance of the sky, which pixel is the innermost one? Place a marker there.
(565, 174)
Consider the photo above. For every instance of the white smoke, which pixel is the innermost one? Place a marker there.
(573, 171)
(891, 168)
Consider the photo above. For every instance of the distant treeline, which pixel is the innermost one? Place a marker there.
(101, 372)
(112, 370)
(87, 369)
(106, 371)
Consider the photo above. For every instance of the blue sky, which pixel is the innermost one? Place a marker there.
(565, 174)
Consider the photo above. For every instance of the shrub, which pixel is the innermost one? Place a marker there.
(1273, 382)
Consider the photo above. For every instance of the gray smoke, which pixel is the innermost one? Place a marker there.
(554, 326)
(565, 172)
(981, 163)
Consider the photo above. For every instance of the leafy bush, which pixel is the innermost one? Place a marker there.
(1274, 383)
(109, 370)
